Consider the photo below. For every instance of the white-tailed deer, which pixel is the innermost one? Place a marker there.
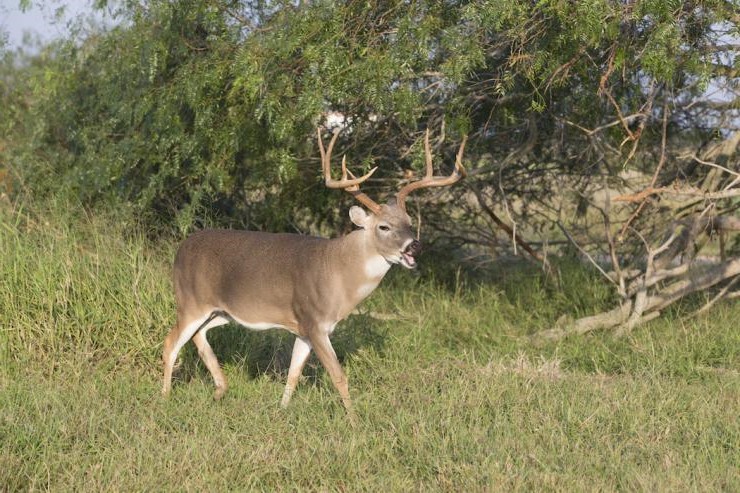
(302, 284)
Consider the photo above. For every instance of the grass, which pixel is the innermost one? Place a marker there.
(451, 396)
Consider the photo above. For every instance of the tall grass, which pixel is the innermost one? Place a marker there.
(451, 393)
(82, 288)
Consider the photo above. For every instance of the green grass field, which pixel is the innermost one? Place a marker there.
(452, 395)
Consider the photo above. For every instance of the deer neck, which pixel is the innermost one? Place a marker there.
(363, 267)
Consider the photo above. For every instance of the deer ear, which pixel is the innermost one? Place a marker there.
(359, 216)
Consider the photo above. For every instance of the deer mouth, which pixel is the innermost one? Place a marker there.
(408, 254)
(408, 260)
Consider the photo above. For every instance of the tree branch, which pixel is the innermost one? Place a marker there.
(494, 217)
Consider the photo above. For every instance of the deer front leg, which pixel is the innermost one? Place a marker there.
(327, 356)
(301, 351)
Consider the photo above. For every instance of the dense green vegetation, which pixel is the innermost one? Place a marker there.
(193, 108)
(205, 112)
(451, 395)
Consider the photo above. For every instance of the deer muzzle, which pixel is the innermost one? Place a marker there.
(410, 252)
(413, 248)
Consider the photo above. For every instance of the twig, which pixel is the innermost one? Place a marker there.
(609, 69)
(584, 252)
(592, 131)
(714, 165)
(639, 196)
(610, 241)
(641, 298)
(693, 192)
(564, 68)
(661, 275)
(625, 125)
(662, 160)
(501, 224)
(714, 300)
(696, 281)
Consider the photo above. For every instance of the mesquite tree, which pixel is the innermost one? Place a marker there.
(607, 125)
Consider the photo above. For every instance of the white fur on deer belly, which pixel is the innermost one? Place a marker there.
(259, 325)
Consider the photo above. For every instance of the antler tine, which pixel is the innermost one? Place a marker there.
(350, 185)
(325, 163)
(429, 179)
(428, 153)
(344, 167)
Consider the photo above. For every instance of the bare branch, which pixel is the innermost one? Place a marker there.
(714, 165)
(719, 296)
(691, 192)
(661, 162)
(695, 282)
(589, 132)
(584, 252)
(494, 217)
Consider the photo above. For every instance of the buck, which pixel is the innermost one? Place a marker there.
(302, 284)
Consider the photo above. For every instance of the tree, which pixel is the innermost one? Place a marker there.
(193, 106)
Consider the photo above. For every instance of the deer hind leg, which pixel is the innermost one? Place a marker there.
(328, 358)
(209, 358)
(301, 352)
(181, 333)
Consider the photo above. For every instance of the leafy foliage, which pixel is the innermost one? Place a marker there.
(197, 111)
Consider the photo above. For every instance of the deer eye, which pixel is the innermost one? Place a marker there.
(384, 227)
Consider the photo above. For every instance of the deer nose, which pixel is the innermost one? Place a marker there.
(414, 248)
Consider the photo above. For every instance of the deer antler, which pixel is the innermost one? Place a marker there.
(350, 185)
(429, 179)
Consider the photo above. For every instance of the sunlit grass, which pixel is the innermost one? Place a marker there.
(451, 393)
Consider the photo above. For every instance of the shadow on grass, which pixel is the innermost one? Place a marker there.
(268, 352)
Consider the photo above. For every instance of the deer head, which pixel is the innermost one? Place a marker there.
(388, 225)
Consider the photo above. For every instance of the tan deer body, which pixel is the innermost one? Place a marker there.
(302, 284)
